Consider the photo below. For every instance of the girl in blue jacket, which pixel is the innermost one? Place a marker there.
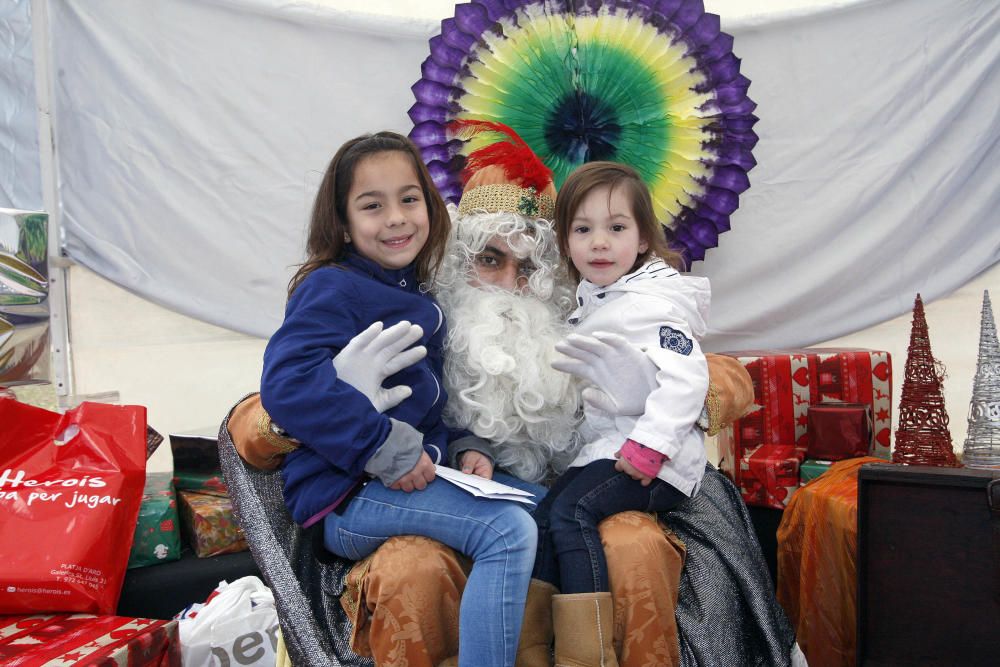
(376, 237)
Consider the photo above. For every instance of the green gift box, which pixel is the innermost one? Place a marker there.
(157, 535)
(210, 483)
(810, 469)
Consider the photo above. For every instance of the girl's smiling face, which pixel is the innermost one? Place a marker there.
(387, 219)
(604, 240)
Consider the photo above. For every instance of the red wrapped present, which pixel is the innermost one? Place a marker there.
(84, 639)
(209, 523)
(767, 475)
(787, 382)
(839, 431)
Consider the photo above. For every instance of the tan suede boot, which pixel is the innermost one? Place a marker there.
(584, 626)
(534, 649)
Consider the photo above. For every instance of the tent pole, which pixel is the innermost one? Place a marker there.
(62, 368)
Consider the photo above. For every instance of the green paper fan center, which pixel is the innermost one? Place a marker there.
(572, 103)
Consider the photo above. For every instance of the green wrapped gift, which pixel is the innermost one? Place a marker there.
(210, 483)
(812, 468)
(157, 534)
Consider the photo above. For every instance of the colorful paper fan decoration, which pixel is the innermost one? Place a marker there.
(651, 83)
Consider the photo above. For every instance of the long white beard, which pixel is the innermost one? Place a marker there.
(499, 381)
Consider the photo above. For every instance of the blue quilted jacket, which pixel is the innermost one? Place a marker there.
(338, 426)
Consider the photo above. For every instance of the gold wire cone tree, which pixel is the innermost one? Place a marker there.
(982, 444)
(923, 437)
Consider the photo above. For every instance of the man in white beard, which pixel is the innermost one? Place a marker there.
(505, 295)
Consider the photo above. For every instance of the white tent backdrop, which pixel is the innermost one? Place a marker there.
(191, 136)
(20, 176)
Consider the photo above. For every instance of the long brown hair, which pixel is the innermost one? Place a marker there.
(328, 225)
(598, 174)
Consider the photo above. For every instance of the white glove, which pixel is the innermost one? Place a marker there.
(373, 355)
(622, 374)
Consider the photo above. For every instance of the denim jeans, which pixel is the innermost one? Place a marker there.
(570, 553)
(498, 535)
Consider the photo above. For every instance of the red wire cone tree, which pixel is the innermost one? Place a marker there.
(923, 437)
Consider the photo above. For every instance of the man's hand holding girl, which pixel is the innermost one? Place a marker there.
(621, 374)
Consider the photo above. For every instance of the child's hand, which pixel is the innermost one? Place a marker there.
(622, 465)
(418, 478)
(476, 463)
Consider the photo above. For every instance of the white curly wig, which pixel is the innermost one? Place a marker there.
(531, 239)
(500, 346)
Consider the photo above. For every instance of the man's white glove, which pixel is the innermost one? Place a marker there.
(373, 355)
(622, 374)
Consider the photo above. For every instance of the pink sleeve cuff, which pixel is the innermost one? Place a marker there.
(645, 460)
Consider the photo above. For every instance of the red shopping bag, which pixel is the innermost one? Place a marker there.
(70, 489)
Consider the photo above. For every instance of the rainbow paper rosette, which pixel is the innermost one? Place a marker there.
(653, 84)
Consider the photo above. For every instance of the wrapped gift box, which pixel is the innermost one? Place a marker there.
(767, 475)
(839, 431)
(153, 441)
(810, 469)
(787, 382)
(157, 533)
(209, 524)
(196, 452)
(83, 639)
(210, 483)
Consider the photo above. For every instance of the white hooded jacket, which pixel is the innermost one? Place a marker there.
(664, 313)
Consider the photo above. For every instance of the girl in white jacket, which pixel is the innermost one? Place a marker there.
(652, 457)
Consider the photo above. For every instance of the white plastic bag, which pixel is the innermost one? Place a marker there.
(238, 625)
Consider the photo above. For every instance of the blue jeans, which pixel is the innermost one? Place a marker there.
(570, 553)
(499, 536)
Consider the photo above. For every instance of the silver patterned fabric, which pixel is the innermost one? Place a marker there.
(306, 579)
(727, 614)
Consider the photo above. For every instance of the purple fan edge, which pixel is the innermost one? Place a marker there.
(696, 229)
